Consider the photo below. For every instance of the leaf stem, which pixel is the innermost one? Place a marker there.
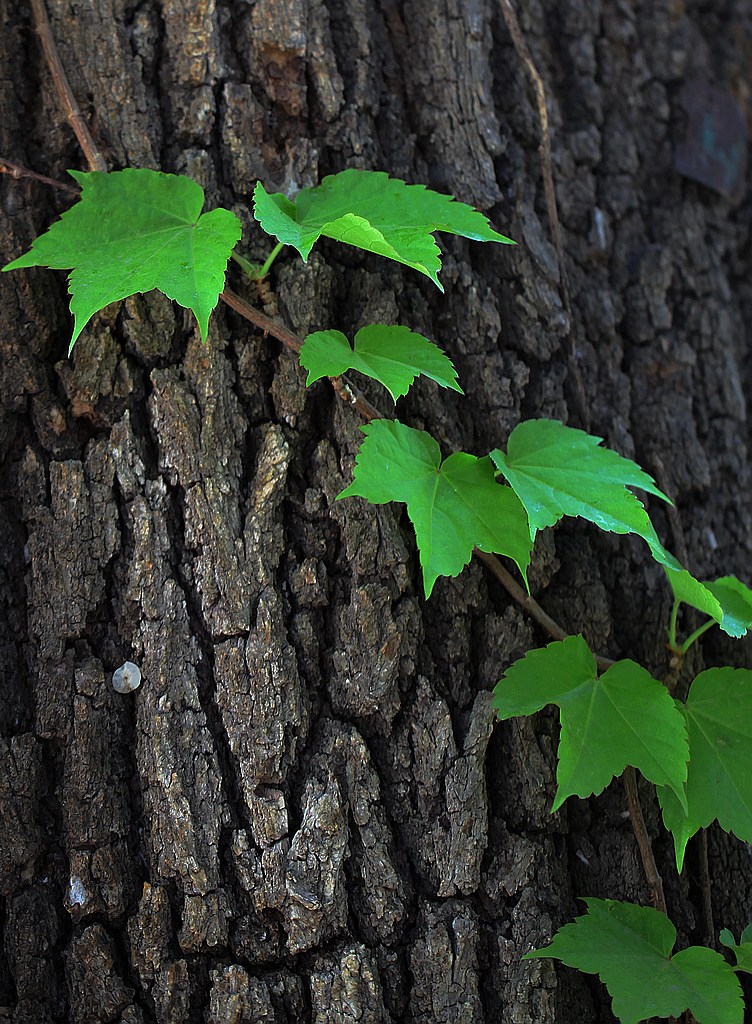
(251, 269)
(672, 625)
(696, 635)
(269, 260)
(257, 271)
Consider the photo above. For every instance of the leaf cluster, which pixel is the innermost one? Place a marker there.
(135, 230)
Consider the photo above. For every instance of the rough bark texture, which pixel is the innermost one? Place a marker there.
(303, 814)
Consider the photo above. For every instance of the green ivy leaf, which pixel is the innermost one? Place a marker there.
(454, 505)
(559, 471)
(625, 717)
(726, 600)
(372, 211)
(690, 591)
(394, 356)
(735, 599)
(134, 230)
(629, 948)
(718, 712)
(742, 952)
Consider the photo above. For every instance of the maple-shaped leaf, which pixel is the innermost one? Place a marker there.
(718, 712)
(629, 948)
(624, 717)
(134, 230)
(743, 951)
(559, 471)
(454, 505)
(372, 211)
(394, 356)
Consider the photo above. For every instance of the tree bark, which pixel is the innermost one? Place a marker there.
(303, 814)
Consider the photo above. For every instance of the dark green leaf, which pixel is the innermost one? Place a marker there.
(718, 713)
(629, 948)
(742, 952)
(625, 717)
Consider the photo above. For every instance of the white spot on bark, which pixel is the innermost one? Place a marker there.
(126, 678)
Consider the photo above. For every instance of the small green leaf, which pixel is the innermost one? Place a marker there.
(454, 505)
(372, 211)
(735, 600)
(718, 713)
(394, 356)
(742, 952)
(726, 600)
(625, 717)
(560, 471)
(629, 948)
(134, 230)
(690, 591)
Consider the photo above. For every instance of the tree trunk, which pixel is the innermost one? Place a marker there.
(302, 814)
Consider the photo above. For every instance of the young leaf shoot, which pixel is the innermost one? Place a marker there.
(394, 356)
(372, 211)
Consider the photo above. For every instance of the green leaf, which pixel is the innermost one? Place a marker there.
(560, 471)
(625, 717)
(742, 952)
(718, 713)
(690, 591)
(454, 505)
(735, 600)
(394, 356)
(726, 600)
(134, 230)
(629, 948)
(372, 211)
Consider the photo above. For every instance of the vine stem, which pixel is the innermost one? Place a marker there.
(344, 389)
(264, 270)
(245, 265)
(348, 393)
(639, 828)
(18, 171)
(528, 603)
(257, 271)
(672, 625)
(706, 892)
(73, 114)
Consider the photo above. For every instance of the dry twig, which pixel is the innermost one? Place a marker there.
(73, 114)
(544, 150)
(18, 171)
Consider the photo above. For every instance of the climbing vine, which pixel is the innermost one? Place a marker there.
(135, 230)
